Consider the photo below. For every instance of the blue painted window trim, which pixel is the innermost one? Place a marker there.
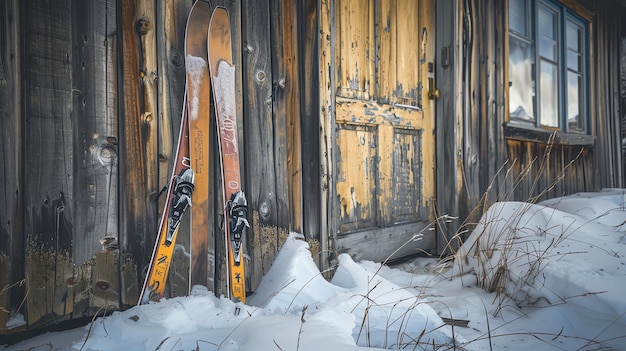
(564, 15)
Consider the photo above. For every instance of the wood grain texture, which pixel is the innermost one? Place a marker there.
(327, 86)
(11, 238)
(309, 81)
(607, 104)
(145, 29)
(355, 48)
(138, 215)
(47, 159)
(448, 134)
(96, 142)
(286, 112)
(259, 143)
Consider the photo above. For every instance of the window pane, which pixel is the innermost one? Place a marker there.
(548, 49)
(573, 60)
(549, 94)
(518, 16)
(522, 86)
(573, 36)
(547, 22)
(548, 39)
(574, 99)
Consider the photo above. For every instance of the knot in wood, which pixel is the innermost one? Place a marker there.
(143, 26)
(177, 59)
(102, 285)
(264, 209)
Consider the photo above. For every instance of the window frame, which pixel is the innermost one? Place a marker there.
(535, 129)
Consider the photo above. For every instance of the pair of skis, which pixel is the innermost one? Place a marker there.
(207, 37)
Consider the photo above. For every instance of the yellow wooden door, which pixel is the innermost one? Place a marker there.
(383, 154)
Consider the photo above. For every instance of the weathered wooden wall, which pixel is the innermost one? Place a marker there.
(506, 163)
(274, 112)
(80, 153)
(60, 159)
(91, 96)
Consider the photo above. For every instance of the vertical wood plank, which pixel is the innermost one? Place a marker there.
(447, 132)
(498, 100)
(287, 113)
(606, 127)
(622, 93)
(327, 138)
(259, 142)
(11, 239)
(308, 32)
(145, 25)
(470, 121)
(96, 149)
(138, 214)
(48, 162)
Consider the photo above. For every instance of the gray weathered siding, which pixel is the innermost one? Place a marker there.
(505, 163)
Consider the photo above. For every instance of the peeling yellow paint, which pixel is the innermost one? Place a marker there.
(384, 121)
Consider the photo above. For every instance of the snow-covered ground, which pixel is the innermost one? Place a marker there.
(550, 276)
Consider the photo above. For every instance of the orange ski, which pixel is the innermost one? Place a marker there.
(179, 193)
(190, 173)
(235, 205)
(199, 110)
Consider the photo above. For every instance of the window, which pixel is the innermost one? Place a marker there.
(548, 63)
